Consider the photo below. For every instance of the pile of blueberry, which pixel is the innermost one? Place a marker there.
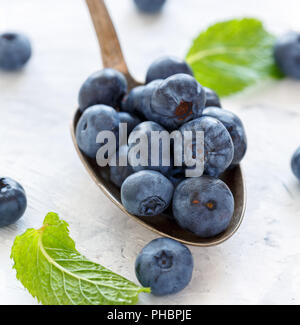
(171, 99)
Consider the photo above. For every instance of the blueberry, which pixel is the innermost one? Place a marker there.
(287, 54)
(150, 6)
(138, 101)
(119, 173)
(164, 265)
(235, 128)
(12, 201)
(131, 120)
(212, 99)
(145, 129)
(177, 99)
(131, 103)
(93, 120)
(145, 103)
(218, 145)
(107, 87)
(203, 205)
(295, 163)
(167, 66)
(146, 193)
(15, 51)
(176, 175)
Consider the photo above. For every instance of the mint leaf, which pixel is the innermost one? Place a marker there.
(231, 55)
(51, 269)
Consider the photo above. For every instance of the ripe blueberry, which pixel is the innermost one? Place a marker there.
(15, 51)
(107, 87)
(164, 265)
(176, 175)
(212, 99)
(295, 163)
(146, 193)
(144, 129)
(131, 120)
(93, 120)
(149, 6)
(203, 205)
(131, 103)
(119, 173)
(235, 128)
(167, 66)
(287, 54)
(12, 201)
(177, 99)
(218, 145)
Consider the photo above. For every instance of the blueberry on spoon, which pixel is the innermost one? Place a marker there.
(167, 66)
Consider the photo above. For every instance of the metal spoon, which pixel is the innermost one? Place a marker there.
(112, 57)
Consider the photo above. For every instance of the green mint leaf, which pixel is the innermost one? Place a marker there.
(51, 269)
(232, 55)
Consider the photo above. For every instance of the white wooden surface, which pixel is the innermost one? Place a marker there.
(261, 263)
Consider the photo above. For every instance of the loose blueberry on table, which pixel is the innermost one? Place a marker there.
(15, 51)
(13, 201)
(149, 6)
(295, 163)
(165, 266)
(287, 54)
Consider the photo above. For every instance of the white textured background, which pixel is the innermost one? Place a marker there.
(261, 263)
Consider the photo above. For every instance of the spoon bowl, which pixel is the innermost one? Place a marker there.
(162, 224)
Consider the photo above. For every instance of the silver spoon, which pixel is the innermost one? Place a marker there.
(112, 57)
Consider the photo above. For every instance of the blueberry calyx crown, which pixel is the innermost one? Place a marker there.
(164, 259)
(152, 206)
(9, 36)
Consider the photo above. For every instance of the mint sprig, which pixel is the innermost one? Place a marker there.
(53, 271)
(232, 55)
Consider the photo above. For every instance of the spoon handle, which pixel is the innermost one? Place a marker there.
(111, 52)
